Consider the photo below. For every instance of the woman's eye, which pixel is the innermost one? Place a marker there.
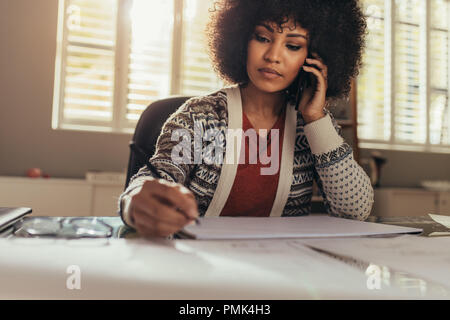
(260, 38)
(293, 48)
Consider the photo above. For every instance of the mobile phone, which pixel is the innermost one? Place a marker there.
(302, 82)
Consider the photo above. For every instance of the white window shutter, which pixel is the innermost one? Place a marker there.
(410, 105)
(439, 73)
(374, 112)
(414, 114)
(115, 57)
(87, 62)
(197, 74)
(150, 55)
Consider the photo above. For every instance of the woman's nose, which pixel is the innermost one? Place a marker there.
(273, 54)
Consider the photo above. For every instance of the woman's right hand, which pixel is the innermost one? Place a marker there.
(162, 208)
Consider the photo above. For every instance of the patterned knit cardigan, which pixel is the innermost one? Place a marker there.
(313, 151)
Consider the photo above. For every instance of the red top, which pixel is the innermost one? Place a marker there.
(252, 193)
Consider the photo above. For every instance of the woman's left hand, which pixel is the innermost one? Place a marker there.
(313, 99)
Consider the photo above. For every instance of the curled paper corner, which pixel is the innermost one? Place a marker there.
(444, 220)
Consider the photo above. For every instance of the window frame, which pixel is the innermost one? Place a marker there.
(426, 90)
(119, 123)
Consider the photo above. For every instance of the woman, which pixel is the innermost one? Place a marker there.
(285, 59)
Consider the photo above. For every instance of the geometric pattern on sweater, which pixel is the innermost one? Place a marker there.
(347, 189)
(335, 172)
(298, 206)
(333, 156)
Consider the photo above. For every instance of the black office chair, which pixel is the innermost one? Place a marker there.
(147, 131)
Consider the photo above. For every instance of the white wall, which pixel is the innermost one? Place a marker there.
(27, 57)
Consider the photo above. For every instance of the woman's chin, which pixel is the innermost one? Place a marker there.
(269, 87)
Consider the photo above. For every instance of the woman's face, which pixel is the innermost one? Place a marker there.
(274, 59)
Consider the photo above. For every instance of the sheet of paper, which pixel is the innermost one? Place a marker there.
(427, 258)
(319, 275)
(11, 215)
(444, 220)
(312, 226)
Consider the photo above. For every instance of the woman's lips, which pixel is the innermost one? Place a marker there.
(269, 73)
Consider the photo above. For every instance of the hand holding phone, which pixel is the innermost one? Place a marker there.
(312, 88)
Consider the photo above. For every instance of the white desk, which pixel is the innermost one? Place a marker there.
(179, 269)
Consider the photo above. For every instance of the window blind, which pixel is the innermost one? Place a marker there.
(88, 72)
(115, 57)
(373, 107)
(150, 54)
(197, 74)
(439, 73)
(410, 104)
(413, 110)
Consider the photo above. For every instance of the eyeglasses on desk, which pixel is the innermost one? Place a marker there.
(69, 228)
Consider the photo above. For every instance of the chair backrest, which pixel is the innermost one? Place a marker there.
(148, 129)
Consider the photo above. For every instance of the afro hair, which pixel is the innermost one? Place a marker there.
(337, 30)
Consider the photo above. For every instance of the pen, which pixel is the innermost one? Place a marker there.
(143, 156)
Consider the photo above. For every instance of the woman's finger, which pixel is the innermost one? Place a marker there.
(151, 222)
(325, 67)
(173, 195)
(320, 78)
(316, 55)
(153, 209)
(154, 228)
(322, 67)
(317, 62)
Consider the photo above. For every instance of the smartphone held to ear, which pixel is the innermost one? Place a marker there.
(302, 82)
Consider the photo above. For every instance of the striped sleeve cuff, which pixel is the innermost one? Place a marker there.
(322, 135)
(124, 211)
